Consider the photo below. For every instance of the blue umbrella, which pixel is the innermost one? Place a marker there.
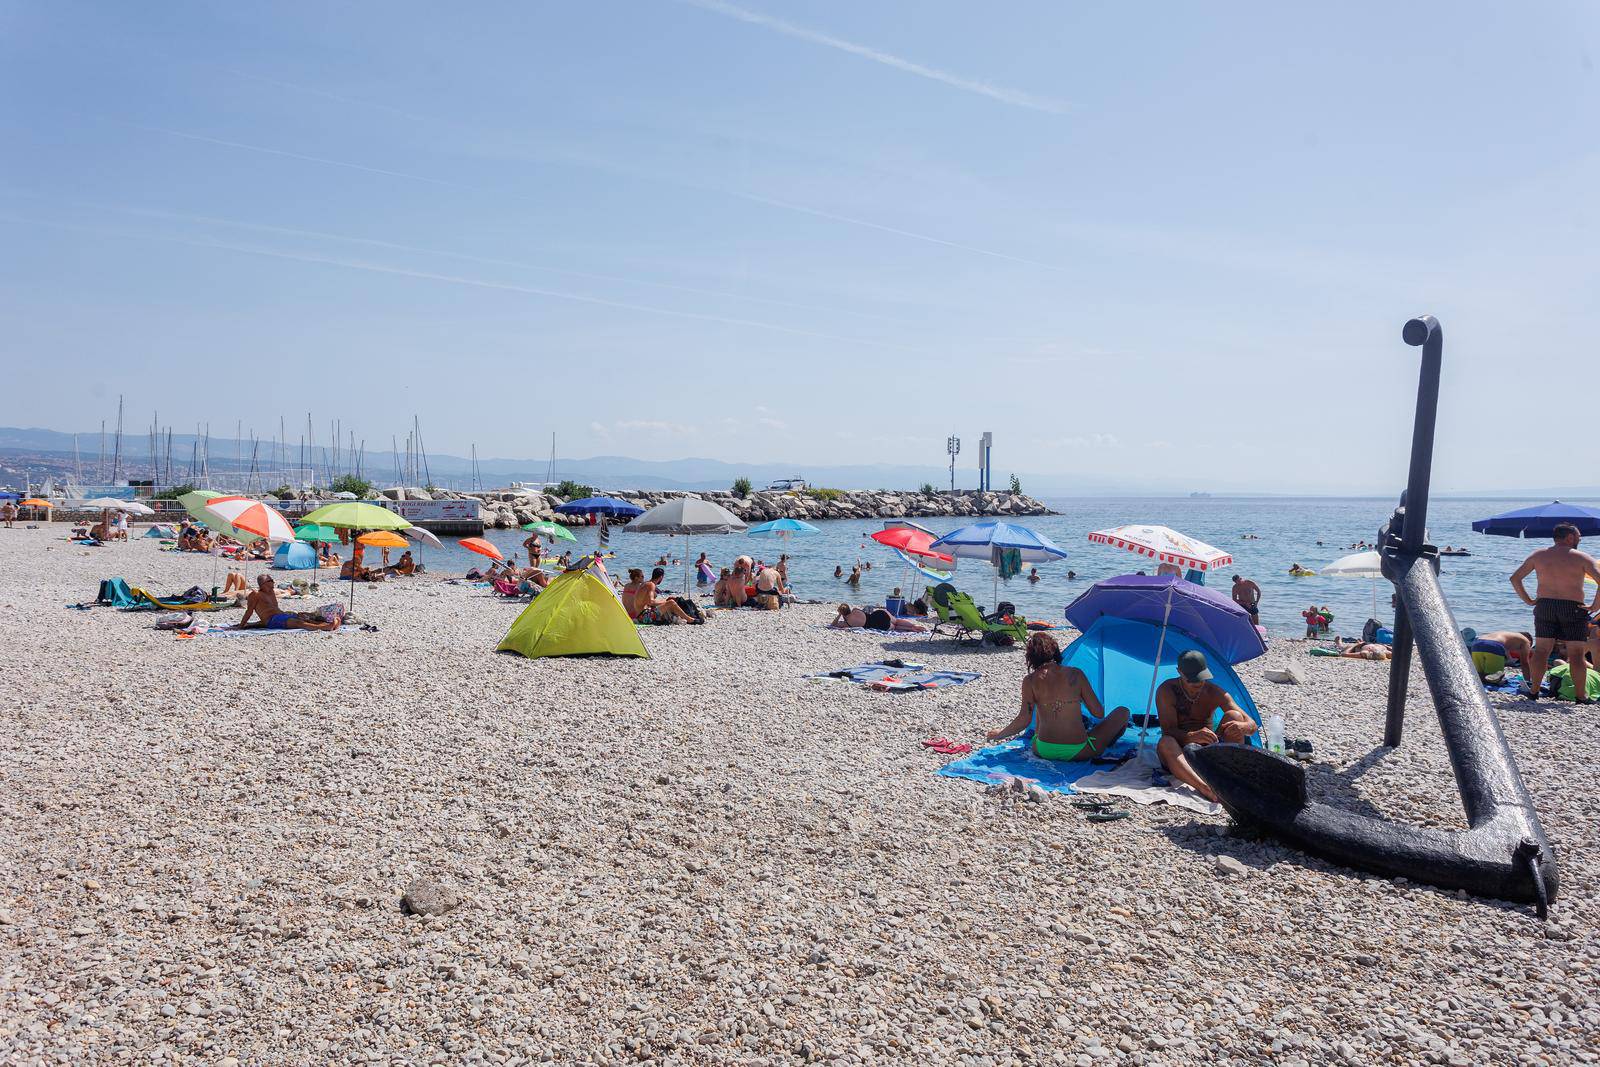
(1541, 520)
(1167, 600)
(986, 540)
(784, 528)
(600, 505)
(1210, 618)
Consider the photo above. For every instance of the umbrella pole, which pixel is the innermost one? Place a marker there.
(1150, 700)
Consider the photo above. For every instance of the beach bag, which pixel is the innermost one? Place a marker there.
(768, 601)
(1559, 680)
(690, 608)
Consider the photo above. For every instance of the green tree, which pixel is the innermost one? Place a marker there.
(567, 489)
(349, 483)
(1016, 485)
(929, 490)
(741, 487)
(174, 492)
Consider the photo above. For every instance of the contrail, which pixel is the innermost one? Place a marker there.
(993, 92)
(467, 257)
(802, 209)
(590, 165)
(451, 279)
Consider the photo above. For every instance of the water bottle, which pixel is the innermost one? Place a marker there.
(1275, 733)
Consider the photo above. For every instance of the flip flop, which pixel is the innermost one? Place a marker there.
(1107, 816)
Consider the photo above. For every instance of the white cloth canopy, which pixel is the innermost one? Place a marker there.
(1165, 545)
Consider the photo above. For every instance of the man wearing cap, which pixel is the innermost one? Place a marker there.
(1195, 711)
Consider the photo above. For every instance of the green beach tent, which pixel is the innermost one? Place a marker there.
(576, 615)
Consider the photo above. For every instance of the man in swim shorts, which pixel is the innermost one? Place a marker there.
(1247, 595)
(1054, 697)
(1196, 711)
(262, 605)
(1493, 651)
(1558, 610)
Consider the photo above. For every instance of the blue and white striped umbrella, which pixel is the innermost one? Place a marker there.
(981, 539)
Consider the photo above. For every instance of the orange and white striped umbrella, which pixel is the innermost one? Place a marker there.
(1165, 545)
(250, 517)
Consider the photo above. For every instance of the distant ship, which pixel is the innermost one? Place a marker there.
(1199, 496)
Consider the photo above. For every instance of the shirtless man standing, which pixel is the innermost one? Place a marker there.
(1195, 711)
(1054, 697)
(1247, 595)
(1558, 611)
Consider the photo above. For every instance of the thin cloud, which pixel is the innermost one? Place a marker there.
(1014, 97)
(1094, 442)
(451, 279)
(627, 172)
(654, 426)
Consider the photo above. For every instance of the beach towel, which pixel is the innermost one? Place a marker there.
(228, 631)
(1015, 758)
(1559, 681)
(115, 592)
(1145, 785)
(899, 677)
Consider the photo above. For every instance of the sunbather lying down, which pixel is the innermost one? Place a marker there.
(1054, 697)
(1363, 650)
(850, 618)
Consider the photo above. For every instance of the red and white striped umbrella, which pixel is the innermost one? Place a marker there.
(250, 517)
(1165, 545)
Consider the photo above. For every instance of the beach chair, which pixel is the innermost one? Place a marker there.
(945, 619)
(993, 629)
(144, 600)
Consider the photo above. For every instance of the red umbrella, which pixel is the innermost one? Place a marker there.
(481, 547)
(912, 541)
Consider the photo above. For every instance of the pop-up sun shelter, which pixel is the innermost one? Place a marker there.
(294, 556)
(576, 615)
(1116, 655)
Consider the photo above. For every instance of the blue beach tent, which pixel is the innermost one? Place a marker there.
(1116, 655)
(294, 556)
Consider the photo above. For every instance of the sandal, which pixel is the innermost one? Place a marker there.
(1107, 816)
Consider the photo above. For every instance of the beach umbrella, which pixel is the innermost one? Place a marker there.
(553, 530)
(345, 496)
(1541, 520)
(482, 548)
(687, 515)
(383, 539)
(783, 529)
(357, 515)
(600, 505)
(251, 517)
(913, 544)
(1358, 565)
(1164, 545)
(989, 539)
(35, 502)
(196, 499)
(1208, 617)
(427, 537)
(315, 532)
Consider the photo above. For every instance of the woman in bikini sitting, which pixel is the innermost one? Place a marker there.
(1054, 699)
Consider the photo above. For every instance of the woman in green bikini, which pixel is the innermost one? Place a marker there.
(1054, 698)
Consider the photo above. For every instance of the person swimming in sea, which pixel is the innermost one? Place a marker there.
(1054, 699)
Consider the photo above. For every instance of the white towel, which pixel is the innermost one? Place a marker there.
(1132, 779)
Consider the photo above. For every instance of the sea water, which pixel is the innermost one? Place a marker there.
(1310, 531)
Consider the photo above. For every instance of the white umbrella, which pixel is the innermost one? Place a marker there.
(427, 537)
(687, 515)
(345, 496)
(1359, 565)
(250, 517)
(1165, 545)
(106, 503)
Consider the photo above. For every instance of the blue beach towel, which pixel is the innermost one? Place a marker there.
(115, 592)
(1015, 759)
(906, 678)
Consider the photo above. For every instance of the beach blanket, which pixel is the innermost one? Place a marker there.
(1015, 759)
(900, 676)
(115, 592)
(1509, 682)
(1145, 785)
(228, 631)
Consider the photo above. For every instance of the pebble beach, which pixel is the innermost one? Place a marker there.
(700, 858)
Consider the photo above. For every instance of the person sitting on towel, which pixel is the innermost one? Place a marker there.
(1195, 711)
(261, 605)
(728, 593)
(1054, 697)
(406, 565)
(769, 582)
(1494, 651)
(640, 601)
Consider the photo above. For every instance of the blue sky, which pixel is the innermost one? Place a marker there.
(1131, 241)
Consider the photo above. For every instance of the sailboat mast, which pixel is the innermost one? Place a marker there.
(116, 458)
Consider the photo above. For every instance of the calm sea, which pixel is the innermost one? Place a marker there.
(1289, 532)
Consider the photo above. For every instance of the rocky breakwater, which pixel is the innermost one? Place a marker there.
(504, 509)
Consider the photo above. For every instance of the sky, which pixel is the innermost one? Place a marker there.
(1147, 244)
